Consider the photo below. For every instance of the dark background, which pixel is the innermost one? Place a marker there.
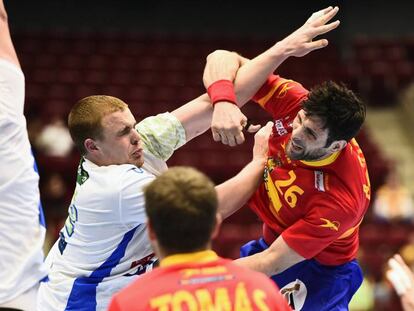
(241, 18)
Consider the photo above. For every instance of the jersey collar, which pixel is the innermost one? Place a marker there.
(89, 162)
(329, 160)
(197, 257)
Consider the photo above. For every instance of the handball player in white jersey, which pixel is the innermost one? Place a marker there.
(22, 227)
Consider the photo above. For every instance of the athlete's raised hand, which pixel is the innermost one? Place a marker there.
(228, 121)
(300, 42)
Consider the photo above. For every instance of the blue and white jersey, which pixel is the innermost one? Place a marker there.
(22, 228)
(104, 244)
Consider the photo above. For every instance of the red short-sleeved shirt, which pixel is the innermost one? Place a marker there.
(200, 281)
(317, 206)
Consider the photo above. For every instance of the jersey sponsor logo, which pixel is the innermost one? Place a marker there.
(333, 225)
(280, 128)
(319, 181)
(71, 220)
(142, 265)
(207, 279)
(351, 230)
(284, 89)
(188, 273)
(82, 175)
(62, 242)
(138, 170)
(69, 227)
(295, 293)
(218, 298)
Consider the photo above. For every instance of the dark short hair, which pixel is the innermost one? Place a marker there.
(181, 205)
(85, 117)
(341, 111)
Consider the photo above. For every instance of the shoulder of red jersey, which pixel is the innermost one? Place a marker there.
(280, 96)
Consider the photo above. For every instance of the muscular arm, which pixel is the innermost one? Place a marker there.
(277, 258)
(251, 76)
(227, 119)
(6, 45)
(247, 181)
(195, 116)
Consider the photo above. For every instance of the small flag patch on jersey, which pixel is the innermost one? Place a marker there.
(319, 183)
(280, 128)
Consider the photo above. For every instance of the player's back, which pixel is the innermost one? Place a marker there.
(103, 239)
(22, 227)
(218, 284)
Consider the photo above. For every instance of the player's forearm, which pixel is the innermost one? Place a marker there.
(195, 116)
(260, 262)
(235, 192)
(273, 260)
(253, 74)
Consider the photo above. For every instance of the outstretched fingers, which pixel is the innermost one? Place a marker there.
(326, 17)
(315, 45)
(325, 28)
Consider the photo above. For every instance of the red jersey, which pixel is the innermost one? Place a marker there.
(317, 206)
(200, 281)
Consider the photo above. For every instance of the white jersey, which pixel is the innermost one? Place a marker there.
(22, 228)
(104, 245)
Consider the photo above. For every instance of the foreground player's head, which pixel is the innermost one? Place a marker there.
(103, 129)
(330, 117)
(181, 206)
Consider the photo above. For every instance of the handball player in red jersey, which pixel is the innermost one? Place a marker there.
(316, 188)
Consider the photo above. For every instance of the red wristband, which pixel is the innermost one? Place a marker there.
(222, 90)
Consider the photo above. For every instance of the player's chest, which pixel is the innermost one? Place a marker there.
(289, 187)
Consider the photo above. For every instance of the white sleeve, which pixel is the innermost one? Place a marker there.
(132, 202)
(161, 135)
(11, 90)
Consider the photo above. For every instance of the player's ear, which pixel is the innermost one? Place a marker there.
(90, 145)
(151, 233)
(337, 145)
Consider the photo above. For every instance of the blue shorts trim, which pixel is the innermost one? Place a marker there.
(309, 285)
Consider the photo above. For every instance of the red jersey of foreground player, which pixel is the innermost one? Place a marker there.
(317, 206)
(200, 281)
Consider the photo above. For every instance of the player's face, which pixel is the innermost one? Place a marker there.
(308, 141)
(121, 143)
